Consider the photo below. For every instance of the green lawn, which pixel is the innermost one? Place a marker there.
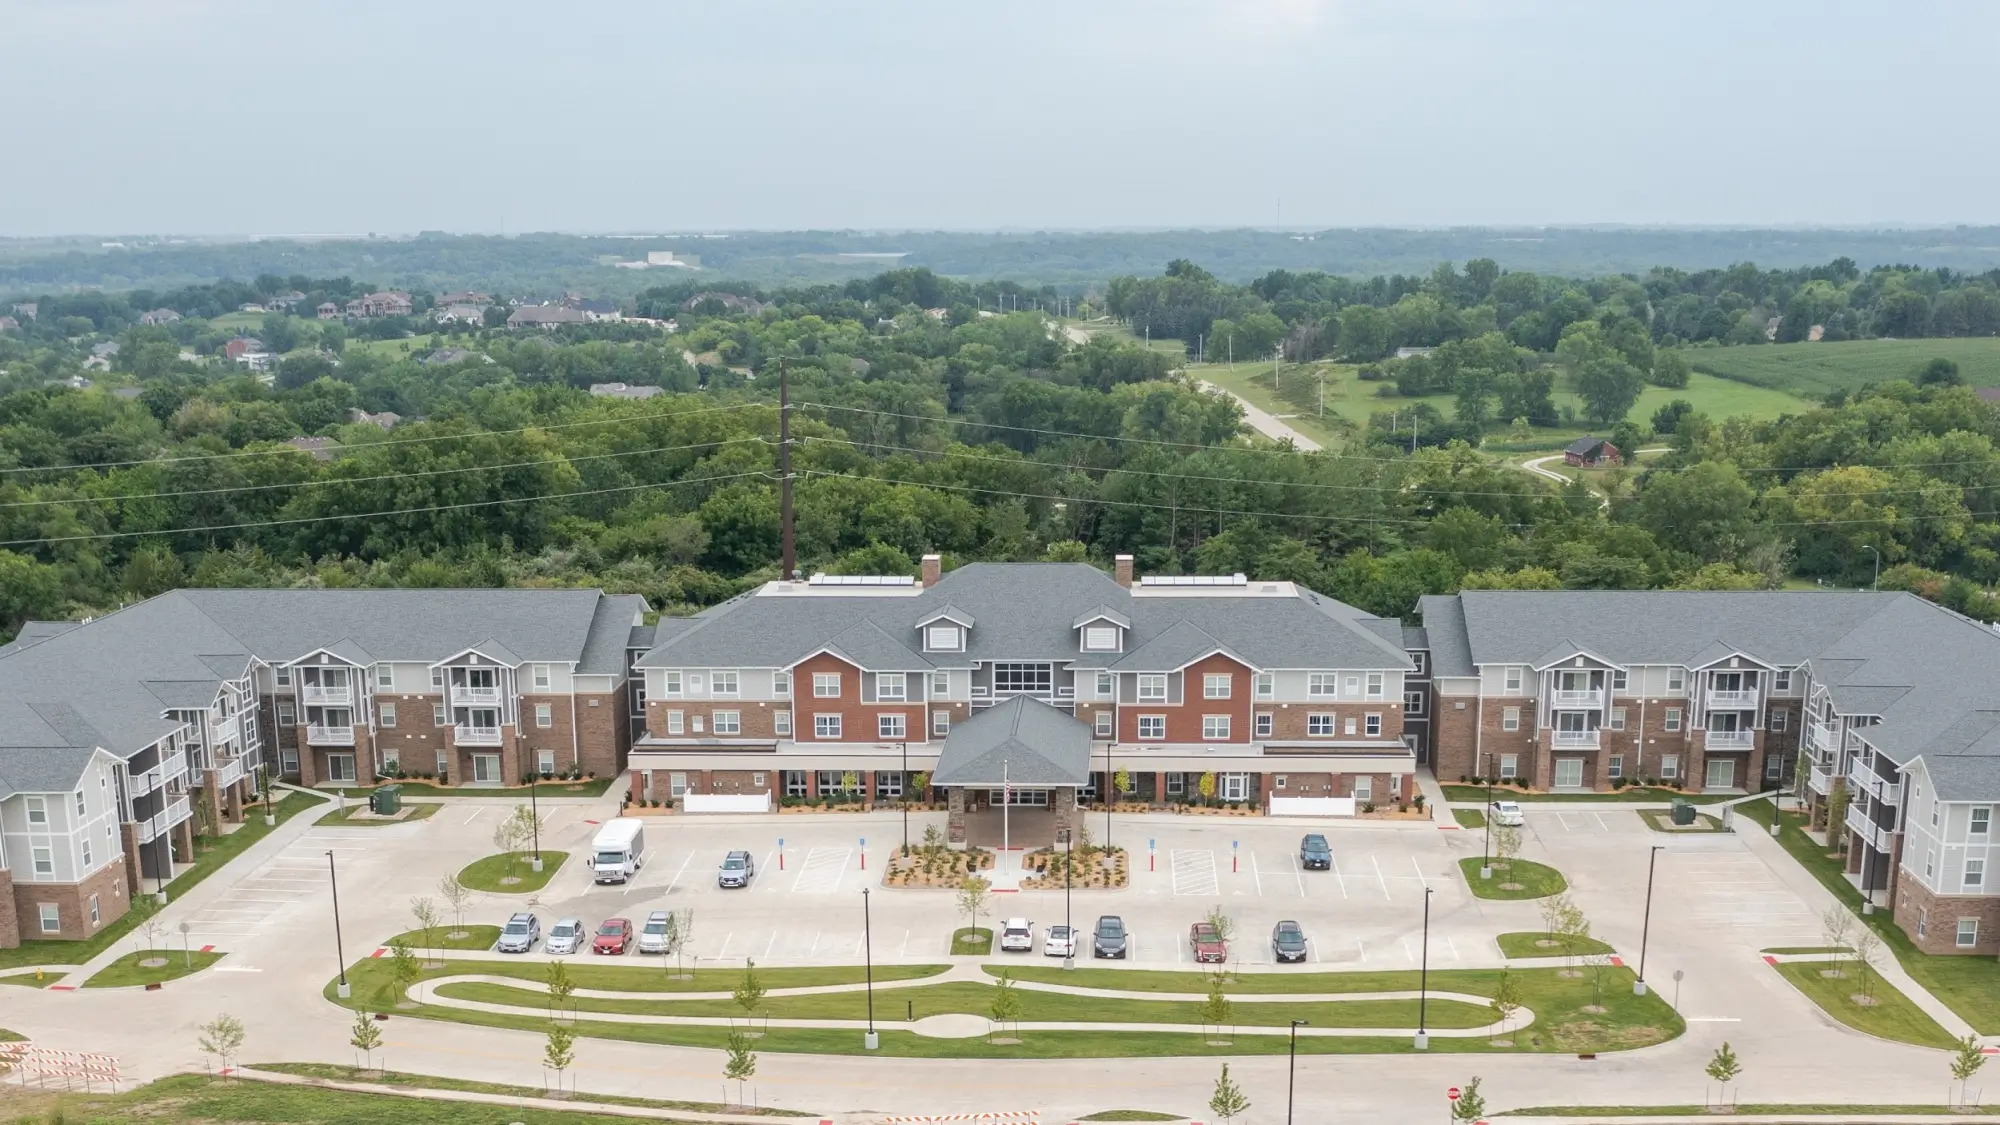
(972, 940)
(487, 874)
(399, 1080)
(210, 853)
(589, 787)
(1527, 943)
(127, 971)
(1893, 1015)
(1635, 793)
(350, 818)
(27, 980)
(1969, 986)
(193, 1097)
(1521, 878)
(1812, 370)
(1253, 382)
(11, 1036)
(476, 938)
(1792, 1108)
(1469, 818)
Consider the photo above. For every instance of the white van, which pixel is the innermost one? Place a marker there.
(619, 850)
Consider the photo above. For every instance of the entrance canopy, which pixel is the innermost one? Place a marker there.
(1029, 742)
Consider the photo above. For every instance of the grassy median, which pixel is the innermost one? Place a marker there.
(1534, 943)
(1513, 879)
(1875, 1009)
(511, 873)
(133, 970)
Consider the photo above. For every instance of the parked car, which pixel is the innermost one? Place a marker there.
(1315, 853)
(737, 870)
(1017, 935)
(1507, 814)
(1061, 942)
(1110, 938)
(614, 936)
(565, 937)
(1207, 943)
(520, 933)
(653, 935)
(1288, 942)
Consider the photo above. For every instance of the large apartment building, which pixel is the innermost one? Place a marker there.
(805, 688)
(1884, 698)
(119, 734)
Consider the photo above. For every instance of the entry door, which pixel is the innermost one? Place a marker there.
(1569, 772)
(340, 767)
(1721, 773)
(486, 767)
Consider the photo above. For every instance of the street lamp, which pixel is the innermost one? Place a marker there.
(872, 1040)
(1069, 859)
(1292, 1069)
(535, 818)
(346, 990)
(1877, 583)
(906, 796)
(1486, 845)
(1423, 1041)
(1110, 794)
(1646, 925)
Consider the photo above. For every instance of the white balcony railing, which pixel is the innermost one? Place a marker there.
(472, 696)
(334, 695)
(1865, 827)
(1865, 780)
(1573, 700)
(1732, 700)
(153, 827)
(230, 771)
(330, 736)
(1818, 781)
(476, 736)
(1731, 739)
(1573, 739)
(1821, 737)
(225, 731)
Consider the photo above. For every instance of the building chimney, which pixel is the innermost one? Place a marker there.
(1122, 570)
(933, 570)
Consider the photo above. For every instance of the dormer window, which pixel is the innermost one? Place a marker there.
(1100, 638)
(944, 638)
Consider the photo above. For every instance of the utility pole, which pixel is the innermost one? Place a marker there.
(787, 553)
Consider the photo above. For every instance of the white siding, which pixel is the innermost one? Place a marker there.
(65, 833)
(1951, 840)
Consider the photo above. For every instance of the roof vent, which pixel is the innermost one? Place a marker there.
(861, 580)
(1194, 580)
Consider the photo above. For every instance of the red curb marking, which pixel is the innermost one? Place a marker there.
(1449, 827)
(1618, 962)
(1770, 960)
(378, 953)
(208, 949)
(62, 988)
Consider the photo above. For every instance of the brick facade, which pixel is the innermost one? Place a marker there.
(10, 918)
(1184, 719)
(858, 720)
(109, 884)
(1941, 914)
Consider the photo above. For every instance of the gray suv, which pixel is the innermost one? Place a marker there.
(520, 933)
(737, 870)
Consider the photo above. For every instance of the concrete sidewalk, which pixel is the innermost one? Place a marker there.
(581, 1104)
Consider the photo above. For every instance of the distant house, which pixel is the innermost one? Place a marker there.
(938, 314)
(387, 419)
(380, 304)
(328, 311)
(544, 316)
(97, 363)
(321, 448)
(1412, 353)
(74, 382)
(252, 307)
(283, 302)
(241, 346)
(1591, 452)
(9, 324)
(466, 297)
(105, 350)
(1816, 333)
(621, 390)
(443, 356)
(462, 313)
(157, 316)
(28, 309)
(599, 310)
(259, 362)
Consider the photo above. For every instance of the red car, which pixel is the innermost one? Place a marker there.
(614, 936)
(1209, 948)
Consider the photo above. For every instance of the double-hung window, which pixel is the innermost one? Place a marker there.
(670, 683)
(545, 715)
(1670, 721)
(826, 726)
(1975, 875)
(388, 710)
(889, 726)
(1372, 725)
(1106, 685)
(1215, 686)
(1152, 728)
(726, 722)
(826, 685)
(1618, 679)
(1981, 823)
(781, 685)
(1319, 726)
(1264, 724)
(1214, 728)
(1374, 685)
(781, 724)
(1513, 680)
(890, 686)
(38, 811)
(1152, 688)
(1101, 725)
(1263, 686)
(1676, 681)
(940, 685)
(385, 675)
(541, 677)
(940, 723)
(724, 685)
(1321, 685)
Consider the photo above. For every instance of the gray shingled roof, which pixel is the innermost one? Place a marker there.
(1027, 742)
(1686, 627)
(1444, 627)
(610, 635)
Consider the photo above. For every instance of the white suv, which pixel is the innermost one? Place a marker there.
(1017, 935)
(653, 935)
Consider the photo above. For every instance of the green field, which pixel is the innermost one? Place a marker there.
(1811, 370)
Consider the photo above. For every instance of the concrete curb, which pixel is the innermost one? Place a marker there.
(568, 1105)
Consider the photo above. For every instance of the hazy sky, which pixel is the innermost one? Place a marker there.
(139, 116)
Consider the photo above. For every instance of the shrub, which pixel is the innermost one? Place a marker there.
(1368, 807)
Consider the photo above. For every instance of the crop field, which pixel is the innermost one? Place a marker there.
(1812, 370)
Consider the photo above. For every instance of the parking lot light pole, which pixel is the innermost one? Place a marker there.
(1646, 924)
(1423, 1040)
(906, 796)
(1486, 845)
(333, 880)
(872, 1039)
(535, 817)
(1069, 858)
(1292, 1069)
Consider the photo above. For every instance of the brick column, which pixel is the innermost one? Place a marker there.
(128, 838)
(1694, 766)
(10, 919)
(183, 843)
(233, 800)
(1754, 762)
(955, 818)
(867, 789)
(1601, 772)
(812, 783)
(636, 786)
(1544, 775)
(1064, 803)
(308, 769)
(211, 796)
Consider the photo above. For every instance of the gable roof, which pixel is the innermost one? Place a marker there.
(1021, 742)
(1585, 446)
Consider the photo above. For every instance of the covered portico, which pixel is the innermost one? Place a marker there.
(1023, 753)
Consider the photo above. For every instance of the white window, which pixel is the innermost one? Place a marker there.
(1510, 766)
(1778, 719)
(95, 916)
(1364, 788)
(1106, 685)
(392, 759)
(942, 638)
(1930, 863)
(45, 861)
(79, 804)
(1671, 721)
(1615, 767)
(437, 679)
(385, 676)
(724, 685)
(889, 726)
(1152, 688)
(1670, 766)
(1100, 638)
(1510, 718)
(1319, 726)
(541, 677)
(826, 685)
(545, 762)
(1374, 685)
(826, 726)
(1321, 685)
(1569, 772)
(677, 785)
(38, 811)
(1975, 874)
(1372, 725)
(437, 714)
(1618, 718)
(1353, 686)
(1176, 784)
(1618, 679)
(1263, 685)
(1264, 724)
(284, 676)
(1923, 923)
(1968, 932)
(1216, 686)
(1347, 725)
(87, 864)
(1152, 728)
(1413, 703)
(781, 723)
(1781, 681)
(727, 722)
(670, 683)
(1103, 724)
(781, 685)
(890, 685)
(676, 722)
(1234, 787)
(1278, 781)
(1214, 728)
(1982, 821)
(51, 915)
(1513, 680)
(941, 723)
(388, 713)
(1676, 681)
(757, 779)
(940, 685)
(544, 715)
(288, 714)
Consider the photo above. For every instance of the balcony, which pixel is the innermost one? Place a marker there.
(334, 695)
(1591, 699)
(153, 827)
(468, 695)
(227, 730)
(1731, 739)
(230, 771)
(1821, 737)
(1573, 739)
(1865, 827)
(476, 736)
(1818, 781)
(1731, 700)
(330, 736)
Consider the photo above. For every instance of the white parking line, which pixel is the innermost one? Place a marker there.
(1378, 876)
(1599, 817)
(1194, 871)
(1256, 876)
(472, 816)
(1362, 948)
(1333, 861)
(905, 950)
(770, 945)
(1420, 873)
(1453, 946)
(1297, 875)
(815, 946)
(822, 871)
(677, 875)
(724, 951)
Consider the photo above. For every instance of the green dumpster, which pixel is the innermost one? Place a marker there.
(1683, 811)
(386, 801)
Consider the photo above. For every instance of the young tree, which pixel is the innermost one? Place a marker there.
(1229, 1101)
(1216, 1008)
(1836, 813)
(1574, 929)
(425, 913)
(561, 986)
(1966, 1059)
(1723, 1068)
(457, 896)
(1506, 844)
(1867, 950)
(742, 1063)
(1506, 1001)
(1471, 1104)
(1552, 912)
(1121, 783)
(680, 934)
(404, 969)
(1082, 844)
(514, 833)
(972, 899)
(1599, 964)
(221, 1037)
(560, 1052)
(366, 1038)
(749, 990)
(850, 783)
(1836, 926)
(1225, 928)
(1206, 787)
(153, 930)
(1006, 1006)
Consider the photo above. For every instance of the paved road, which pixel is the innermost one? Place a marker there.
(1264, 422)
(1538, 466)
